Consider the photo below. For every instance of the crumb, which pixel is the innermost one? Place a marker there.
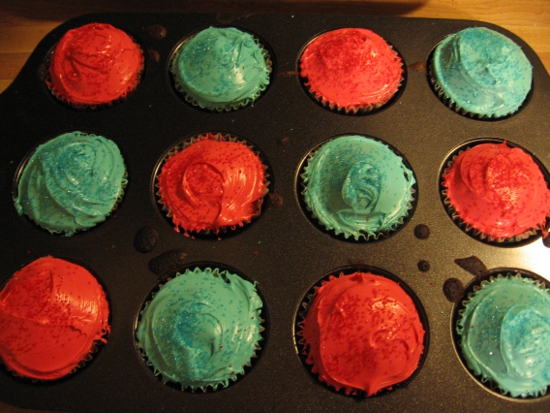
(473, 265)
(168, 263)
(421, 231)
(276, 200)
(453, 289)
(423, 265)
(146, 239)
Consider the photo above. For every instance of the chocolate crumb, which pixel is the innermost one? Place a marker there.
(546, 241)
(276, 200)
(453, 289)
(168, 263)
(153, 55)
(423, 265)
(146, 239)
(421, 231)
(156, 31)
(283, 141)
(473, 265)
(419, 67)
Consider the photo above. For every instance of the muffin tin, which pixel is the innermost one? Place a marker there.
(281, 249)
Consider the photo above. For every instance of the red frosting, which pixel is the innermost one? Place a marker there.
(51, 314)
(95, 64)
(498, 190)
(363, 332)
(351, 68)
(211, 184)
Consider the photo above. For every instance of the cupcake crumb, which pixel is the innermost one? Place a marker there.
(423, 266)
(358, 261)
(156, 31)
(153, 55)
(453, 289)
(167, 263)
(146, 239)
(276, 200)
(421, 231)
(283, 141)
(419, 67)
(473, 265)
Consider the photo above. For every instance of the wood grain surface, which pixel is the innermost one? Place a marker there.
(23, 23)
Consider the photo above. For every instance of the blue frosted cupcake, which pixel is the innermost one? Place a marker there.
(504, 335)
(481, 73)
(71, 183)
(358, 187)
(221, 69)
(201, 329)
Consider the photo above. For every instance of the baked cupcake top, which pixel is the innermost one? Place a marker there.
(357, 186)
(482, 72)
(504, 332)
(52, 313)
(351, 69)
(201, 328)
(362, 333)
(71, 183)
(498, 190)
(212, 183)
(221, 69)
(95, 64)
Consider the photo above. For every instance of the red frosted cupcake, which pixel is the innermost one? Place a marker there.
(53, 313)
(351, 69)
(212, 182)
(362, 333)
(93, 65)
(498, 192)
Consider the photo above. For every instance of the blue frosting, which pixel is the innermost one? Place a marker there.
(482, 72)
(505, 335)
(357, 186)
(71, 182)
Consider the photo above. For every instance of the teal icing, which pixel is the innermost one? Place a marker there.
(201, 328)
(71, 183)
(505, 335)
(221, 68)
(482, 72)
(358, 186)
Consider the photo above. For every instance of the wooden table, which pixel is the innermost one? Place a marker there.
(23, 23)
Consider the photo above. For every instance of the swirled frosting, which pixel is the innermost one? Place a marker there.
(362, 332)
(482, 72)
(71, 182)
(351, 68)
(211, 184)
(498, 190)
(95, 64)
(504, 334)
(52, 312)
(201, 328)
(358, 186)
(221, 68)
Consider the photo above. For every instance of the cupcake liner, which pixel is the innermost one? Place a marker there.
(303, 349)
(219, 106)
(131, 87)
(362, 236)
(519, 239)
(182, 146)
(240, 372)
(458, 326)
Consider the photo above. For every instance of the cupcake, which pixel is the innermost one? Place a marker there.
(53, 314)
(221, 69)
(362, 334)
(496, 192)
(351, 70)
(71, 183)
(481, 73)
(95, 64)
(358, 186)
(201, 329)
(211, 183)
(503, 334)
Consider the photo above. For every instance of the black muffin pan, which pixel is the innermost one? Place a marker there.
(281, 249)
